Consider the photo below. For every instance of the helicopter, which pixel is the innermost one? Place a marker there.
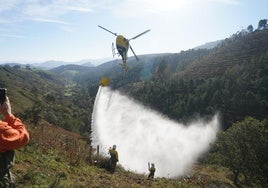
(122, 46)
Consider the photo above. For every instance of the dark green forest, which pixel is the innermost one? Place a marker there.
(240, 91)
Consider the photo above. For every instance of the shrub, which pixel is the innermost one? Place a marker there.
(243, 149)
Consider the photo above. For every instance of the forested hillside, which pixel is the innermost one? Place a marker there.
(230, 79)
(38, 95)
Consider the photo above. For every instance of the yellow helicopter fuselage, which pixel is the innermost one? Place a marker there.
(122, 46)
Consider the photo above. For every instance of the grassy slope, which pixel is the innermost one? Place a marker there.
(58, 158)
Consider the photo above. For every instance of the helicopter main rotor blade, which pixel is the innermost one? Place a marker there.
(140, 34)
(107, 30)
(134, 53)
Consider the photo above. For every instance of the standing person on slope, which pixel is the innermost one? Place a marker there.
(13, 135)
(114, 158)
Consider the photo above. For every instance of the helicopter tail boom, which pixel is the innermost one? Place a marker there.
(134, 53)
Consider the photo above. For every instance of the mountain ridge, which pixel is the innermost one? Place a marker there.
(51, 64)
(231, 51)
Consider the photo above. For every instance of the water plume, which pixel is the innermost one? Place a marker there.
(143, 135)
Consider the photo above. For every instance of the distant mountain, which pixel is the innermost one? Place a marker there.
(112, 69)
(94, 62)
(49, 64)
(12, 64)
(53, 64)
(69, 71)
(208, 45)
(88, 64)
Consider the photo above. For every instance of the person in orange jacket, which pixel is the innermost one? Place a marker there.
(13, 135)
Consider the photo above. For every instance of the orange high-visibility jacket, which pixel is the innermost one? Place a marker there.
(13, 134)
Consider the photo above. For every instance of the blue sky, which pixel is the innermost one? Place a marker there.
(67, 30)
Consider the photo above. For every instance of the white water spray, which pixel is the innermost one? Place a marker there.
(143, 135)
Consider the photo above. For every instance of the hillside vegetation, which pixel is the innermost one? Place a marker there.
(37, 94)
(59, 158)
(26, 86)
(230, 79)
(56, 157)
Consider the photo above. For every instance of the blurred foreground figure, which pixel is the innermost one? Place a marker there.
(13, 135)
(114, 158)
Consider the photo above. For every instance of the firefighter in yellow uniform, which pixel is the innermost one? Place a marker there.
(114, 158)
(152, 171)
